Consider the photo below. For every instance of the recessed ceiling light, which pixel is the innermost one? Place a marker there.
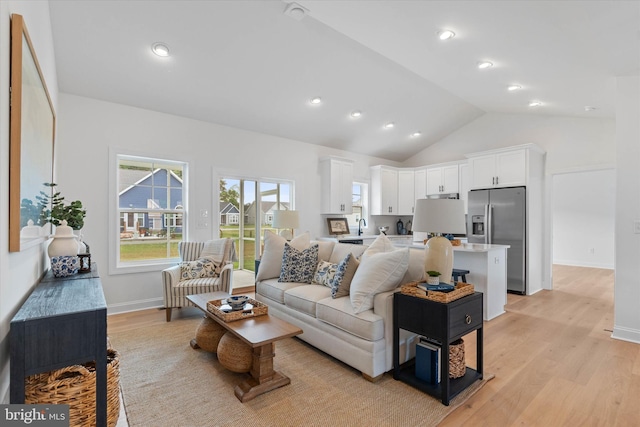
(446, 34)
(589, 108)
(416, 134)
(389, 125)
(535, 104)
(485, 64)
(160, 49)
(356, 114)
(295, 11)
(511, 88)
(316, 100)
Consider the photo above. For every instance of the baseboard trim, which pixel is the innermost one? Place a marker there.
(244, 290)
(573, 263)
(127, 307)
(626, 334)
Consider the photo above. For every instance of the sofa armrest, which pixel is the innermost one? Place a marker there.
(226, 277)
(170, 278)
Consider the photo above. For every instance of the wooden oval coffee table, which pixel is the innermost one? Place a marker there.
(260, 333)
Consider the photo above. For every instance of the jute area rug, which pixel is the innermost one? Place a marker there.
(166, 383)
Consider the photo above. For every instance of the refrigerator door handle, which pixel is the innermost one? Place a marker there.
(490, 224)
(486, 224)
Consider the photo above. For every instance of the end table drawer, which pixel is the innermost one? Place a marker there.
(465, 318)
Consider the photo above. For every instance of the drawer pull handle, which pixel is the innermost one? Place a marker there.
(467, 319)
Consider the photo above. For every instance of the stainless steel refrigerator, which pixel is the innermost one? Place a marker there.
(498, 216)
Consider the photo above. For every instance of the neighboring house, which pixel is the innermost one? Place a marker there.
(266, 212)
(229, 214)
(140, 197)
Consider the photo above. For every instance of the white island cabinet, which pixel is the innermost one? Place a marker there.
(487, 265)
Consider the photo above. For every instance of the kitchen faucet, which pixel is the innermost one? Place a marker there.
(360, 226)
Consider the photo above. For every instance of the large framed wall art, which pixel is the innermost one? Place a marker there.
(32, 133)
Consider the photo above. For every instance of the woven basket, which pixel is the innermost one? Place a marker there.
(234, 354)
(76, 386)
(461, 289)
(457, 365)
(208, 334)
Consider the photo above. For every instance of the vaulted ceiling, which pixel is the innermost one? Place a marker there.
(250, 65)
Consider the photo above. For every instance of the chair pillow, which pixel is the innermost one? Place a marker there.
(271, 260)
(325, 272)
(202, 267)
(344, 275)
(298, 266)
(377, 273)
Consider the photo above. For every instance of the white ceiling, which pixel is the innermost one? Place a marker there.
(246, 64)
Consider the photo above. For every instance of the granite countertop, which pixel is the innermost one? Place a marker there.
(464, 247)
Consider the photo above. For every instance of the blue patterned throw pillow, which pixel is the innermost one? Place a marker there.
(341, 282)
(298, 266)
(325, 273)
(202, 267)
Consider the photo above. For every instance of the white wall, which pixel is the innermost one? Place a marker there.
(569, 142)
(89, 128)
(627, 287)
(583, 215)
(19, 271)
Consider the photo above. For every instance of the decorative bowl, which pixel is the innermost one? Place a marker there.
(237, 301)
(383, 229)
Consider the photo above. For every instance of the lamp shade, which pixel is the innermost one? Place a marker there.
(286, 219)
(439, 216)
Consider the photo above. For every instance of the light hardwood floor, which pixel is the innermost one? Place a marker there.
(554, 361)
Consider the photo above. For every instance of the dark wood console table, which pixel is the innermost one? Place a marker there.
(444, 323)
(62, 323)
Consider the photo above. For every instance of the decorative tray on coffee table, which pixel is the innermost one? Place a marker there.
(220, 309)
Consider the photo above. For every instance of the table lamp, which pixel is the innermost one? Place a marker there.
(287, 221)
(439, 216)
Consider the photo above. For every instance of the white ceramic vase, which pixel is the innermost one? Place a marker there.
(64, 242)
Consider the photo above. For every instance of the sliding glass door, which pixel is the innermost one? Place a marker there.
(246, 210)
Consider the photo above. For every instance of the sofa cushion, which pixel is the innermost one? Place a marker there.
(304, 298)
(274, 290)
(298, 266)
(343, 276)
(325, 248)
(341, 250)
(325, 271)
(339, 313)
(377, 273)
(381, 244)
(202, 267)
(271, 259)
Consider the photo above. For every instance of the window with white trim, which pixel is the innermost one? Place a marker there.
(151, 208)
(359, 206)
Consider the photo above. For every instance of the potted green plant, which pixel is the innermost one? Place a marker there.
(54, 210)
(433, 277)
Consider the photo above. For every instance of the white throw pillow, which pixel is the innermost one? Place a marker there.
(271, 260)
(381, 244)
(378, 272)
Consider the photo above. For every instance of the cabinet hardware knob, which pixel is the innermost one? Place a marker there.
(467, 319)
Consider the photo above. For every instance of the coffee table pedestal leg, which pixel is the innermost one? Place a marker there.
(263, 377)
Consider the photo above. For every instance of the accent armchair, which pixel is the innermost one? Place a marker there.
(182, 280)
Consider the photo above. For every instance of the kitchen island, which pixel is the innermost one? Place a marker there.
(487, 265)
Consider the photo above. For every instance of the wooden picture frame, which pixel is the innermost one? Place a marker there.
(31, 141)
(338, 226)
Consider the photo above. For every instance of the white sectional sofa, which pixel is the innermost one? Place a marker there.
(364, 339)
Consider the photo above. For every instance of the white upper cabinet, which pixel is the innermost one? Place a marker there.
(502, 168)
(442, 180)
(337, 186)
(406, 191)
(384, 190)
(420, 183)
